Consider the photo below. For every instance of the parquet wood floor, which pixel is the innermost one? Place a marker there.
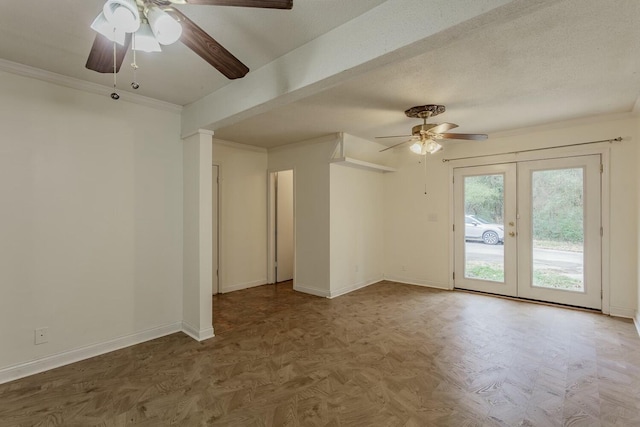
(386, 355)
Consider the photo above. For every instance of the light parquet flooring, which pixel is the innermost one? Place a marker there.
(386, 355)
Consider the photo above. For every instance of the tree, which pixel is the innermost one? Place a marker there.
(557, 202)
(558, 205)
(484, 197)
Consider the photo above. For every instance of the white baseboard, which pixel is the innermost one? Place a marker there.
(625, 312)
(351, 288)
(32, 367)
(636, 321)
(312, 291)
(240, 286)
(197, 334)
(417, 282)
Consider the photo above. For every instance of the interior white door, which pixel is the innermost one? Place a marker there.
(215, 226)
(284, 226)
(485, 249)
(559, 240)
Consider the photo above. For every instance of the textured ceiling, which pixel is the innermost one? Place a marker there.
(55, 36)
(553, 61)
(572, 59)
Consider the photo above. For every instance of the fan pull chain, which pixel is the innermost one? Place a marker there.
(114, 94)
(134, 65)
(425, 174)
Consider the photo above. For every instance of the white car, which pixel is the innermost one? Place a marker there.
(477, 228)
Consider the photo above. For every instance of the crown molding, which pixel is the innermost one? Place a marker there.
(73, 83)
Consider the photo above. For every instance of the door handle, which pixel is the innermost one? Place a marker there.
(512, 233)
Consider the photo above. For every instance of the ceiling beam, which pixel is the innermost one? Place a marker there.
(395, 30)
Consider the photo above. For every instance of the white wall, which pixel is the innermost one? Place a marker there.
(357, 228)
(243, 215)
(416, 249)
(422, 246)
(310, 162)
(357, 218)
(91, 219)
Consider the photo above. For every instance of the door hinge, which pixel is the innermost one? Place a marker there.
(601, 231)
(276, 263)
(217, 273)
(454, 275)
(454, 228)
(601, 168)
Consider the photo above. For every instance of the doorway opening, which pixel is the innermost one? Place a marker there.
(281, 226)
(531, 229)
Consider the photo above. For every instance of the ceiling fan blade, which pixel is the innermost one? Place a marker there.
(269, 4)
(208, 49)
(398, 144)
(393, 136)
(101, 54)
(469, 136)
(442, 127)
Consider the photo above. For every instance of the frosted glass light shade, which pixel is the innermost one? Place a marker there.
(424, 147)
(432, 147)
(416, 148)
(122, 14)
(145, 41)
(104, 27)
(166, 29)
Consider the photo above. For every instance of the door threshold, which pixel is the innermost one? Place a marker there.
(533, 301)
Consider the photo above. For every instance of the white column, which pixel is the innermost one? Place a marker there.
(198, 245)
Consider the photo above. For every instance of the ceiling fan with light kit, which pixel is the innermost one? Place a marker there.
(144, 25)
(425, 137)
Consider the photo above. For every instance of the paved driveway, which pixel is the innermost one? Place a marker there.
(564, 262)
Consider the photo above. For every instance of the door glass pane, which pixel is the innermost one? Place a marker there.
(558, 228)
(484, 230)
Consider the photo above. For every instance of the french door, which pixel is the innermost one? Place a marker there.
(530, 230)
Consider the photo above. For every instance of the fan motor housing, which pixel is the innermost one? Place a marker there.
(415, 131)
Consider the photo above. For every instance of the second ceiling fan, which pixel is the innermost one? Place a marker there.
(426, 135)
(122, 18)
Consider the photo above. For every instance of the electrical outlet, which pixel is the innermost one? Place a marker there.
(41, 335)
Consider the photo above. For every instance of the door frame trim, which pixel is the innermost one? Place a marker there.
(551, 153)
(218, 215)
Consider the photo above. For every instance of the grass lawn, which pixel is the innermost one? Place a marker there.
(541, 278)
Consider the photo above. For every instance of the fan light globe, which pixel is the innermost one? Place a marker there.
(432, 147)
(122, 14)
(416, 148)
(424, 147)
(166, 29)
(145, 40)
